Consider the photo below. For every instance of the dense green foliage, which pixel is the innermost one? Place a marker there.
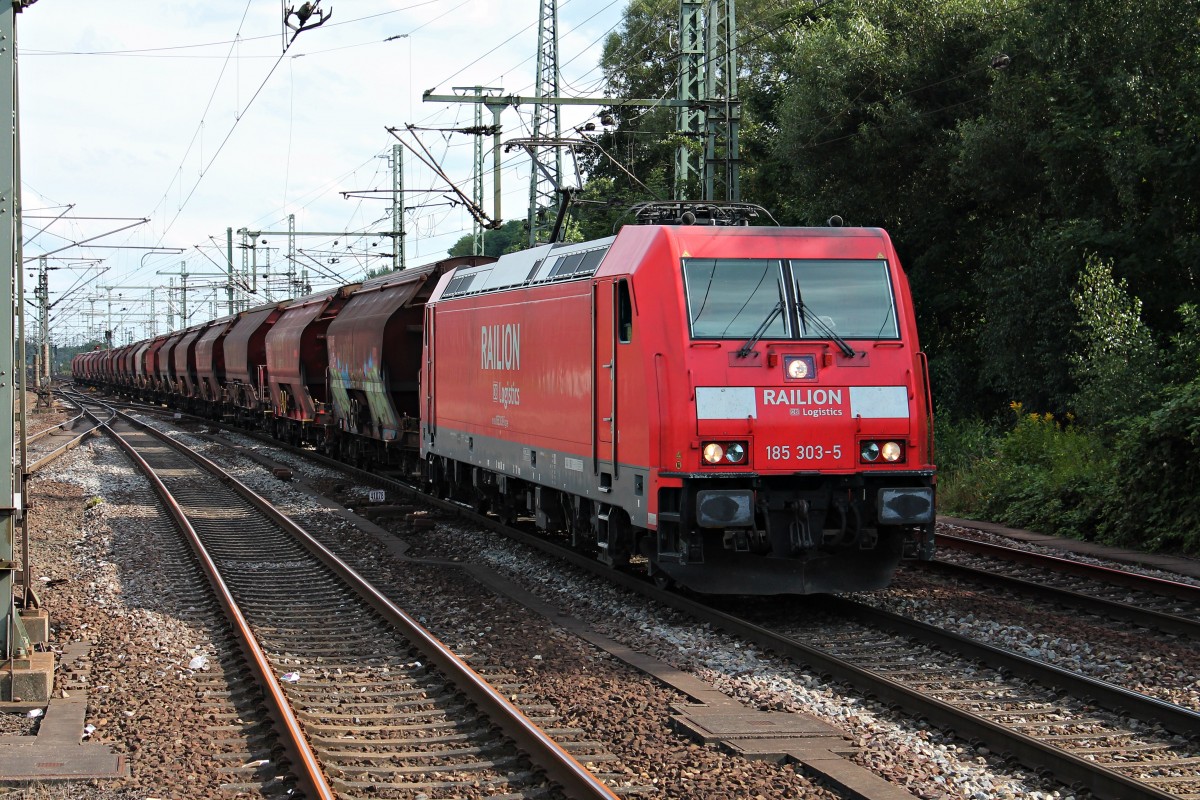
(1036, 162)
(1040, 474)
(512, 235)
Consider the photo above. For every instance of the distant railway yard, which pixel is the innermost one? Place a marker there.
(591, 682)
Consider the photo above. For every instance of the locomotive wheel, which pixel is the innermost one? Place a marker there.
(507, 512)
(662, 580)
(620, 539)
(480, 502)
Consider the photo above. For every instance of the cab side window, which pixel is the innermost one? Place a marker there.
(624, 313)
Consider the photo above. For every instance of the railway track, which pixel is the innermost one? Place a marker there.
(50, 443)
(233, 726)
(365, 702)
(803, 739)
(1095, 740)
(1115, 743)
(1151, 602)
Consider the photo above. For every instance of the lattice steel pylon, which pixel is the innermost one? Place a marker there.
(543, 192)
(722, 106)
(477, 229)
(689, 119)
(399, 261)
(14, 639)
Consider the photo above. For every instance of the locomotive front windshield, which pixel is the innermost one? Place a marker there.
(734, 298)
(729, 298)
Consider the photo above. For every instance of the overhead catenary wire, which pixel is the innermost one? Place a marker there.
(451, 149)
(197, 137)
(204, 114)
(429, 162)
(141, 50)
(217, 144)
(220, 147)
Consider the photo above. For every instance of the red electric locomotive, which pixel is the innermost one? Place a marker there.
(747, 409)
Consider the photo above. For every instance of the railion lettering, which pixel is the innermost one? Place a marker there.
(500, 346)
(802, 397)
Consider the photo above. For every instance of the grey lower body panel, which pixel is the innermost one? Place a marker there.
(623, 485)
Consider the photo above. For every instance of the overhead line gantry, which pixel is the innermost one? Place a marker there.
(707, 107)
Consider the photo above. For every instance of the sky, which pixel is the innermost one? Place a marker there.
(192, 116)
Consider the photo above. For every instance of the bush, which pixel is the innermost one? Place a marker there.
(1154, 504)
(1117, 368)
(1044, 475)
(962, 448)
(1130, 476)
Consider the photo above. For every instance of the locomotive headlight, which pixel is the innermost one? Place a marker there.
(798, 368)
(890, 451)
(724, 452)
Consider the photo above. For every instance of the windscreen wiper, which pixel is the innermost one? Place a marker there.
(748, 347)
(806, 315)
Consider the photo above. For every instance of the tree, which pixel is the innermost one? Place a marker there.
(1116, 368)
(858, 121)
(1083, 149)
(510, 237)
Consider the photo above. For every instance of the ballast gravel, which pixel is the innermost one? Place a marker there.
(92, 551)
(102, 596)
(1164, 667)
(905, 751)
(140, 659)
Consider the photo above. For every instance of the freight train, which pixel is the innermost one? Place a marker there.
(737, 409)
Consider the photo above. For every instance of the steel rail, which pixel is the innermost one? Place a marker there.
(559, 765)
(1037, 755)
(1117, 699)
(1065, 767)
(1044, 758)
(308, 772)
(63, 448)
(1146, 617)
(1132, 580)
(44, 432)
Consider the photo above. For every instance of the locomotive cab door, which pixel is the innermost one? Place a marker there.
(429, 415)
(604, 379)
